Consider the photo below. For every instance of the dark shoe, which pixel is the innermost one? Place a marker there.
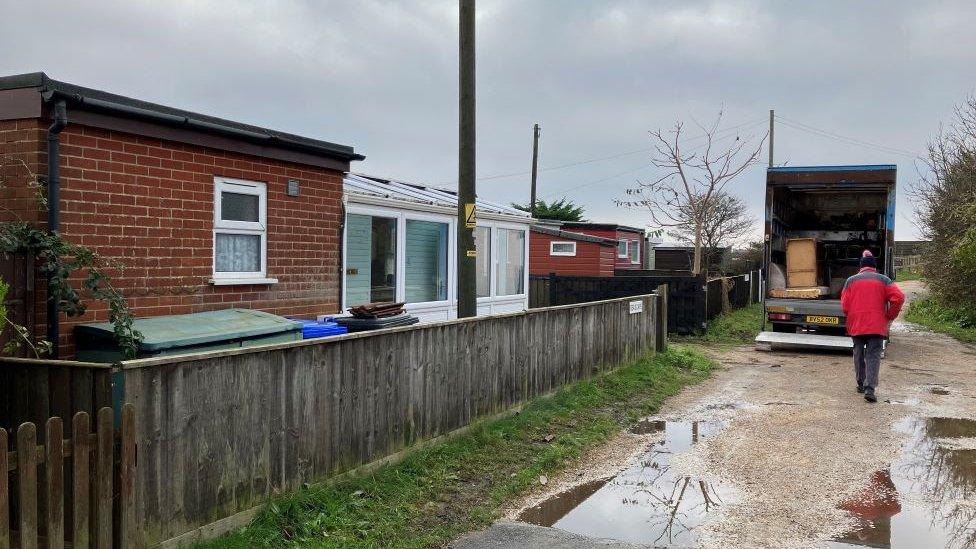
(869, 395)
(860, 388)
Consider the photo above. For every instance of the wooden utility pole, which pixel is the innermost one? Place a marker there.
(535, 165)
(467, 305)
(772, 116)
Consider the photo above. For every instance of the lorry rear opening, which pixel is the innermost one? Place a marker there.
(844, 210)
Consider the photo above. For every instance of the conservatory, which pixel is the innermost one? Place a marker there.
(399, 245)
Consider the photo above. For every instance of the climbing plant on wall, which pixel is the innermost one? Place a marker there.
(59, 259)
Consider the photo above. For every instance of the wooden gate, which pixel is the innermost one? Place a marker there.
(89, 475)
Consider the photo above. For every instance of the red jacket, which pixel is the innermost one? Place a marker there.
(870, 301)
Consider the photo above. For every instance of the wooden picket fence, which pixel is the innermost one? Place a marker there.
(96, 486)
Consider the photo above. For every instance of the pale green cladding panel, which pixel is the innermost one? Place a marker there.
(426, 261)
(359, 247)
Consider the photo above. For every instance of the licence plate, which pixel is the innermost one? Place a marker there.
(823, 320)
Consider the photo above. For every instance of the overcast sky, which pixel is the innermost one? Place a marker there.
(596, 75)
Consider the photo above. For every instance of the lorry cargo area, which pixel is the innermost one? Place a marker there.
(827, 216)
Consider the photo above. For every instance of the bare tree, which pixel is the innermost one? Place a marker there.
(725, 222)
(693, 177)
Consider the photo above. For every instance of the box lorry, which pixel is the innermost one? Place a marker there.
(826, 216)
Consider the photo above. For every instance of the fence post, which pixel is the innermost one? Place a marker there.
(54, 463)
(127, 512)
(80, 450)
(27, 481)
(662, 318)
(103, 478)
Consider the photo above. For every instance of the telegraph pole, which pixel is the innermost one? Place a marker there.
(535, 165)
(772, 116)
(467, 305)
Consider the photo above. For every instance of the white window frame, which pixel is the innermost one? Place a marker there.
(495, 260)
(401, 217)
(552, 248)
(259, 228)
(635, 245)
(626, 253)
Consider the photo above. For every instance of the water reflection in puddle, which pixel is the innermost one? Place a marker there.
(649, 502)
(925, 498)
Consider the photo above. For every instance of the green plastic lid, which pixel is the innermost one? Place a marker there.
(167, 332)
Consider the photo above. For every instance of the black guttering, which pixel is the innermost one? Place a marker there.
(54, 212)
(573, 236)
(100, 101)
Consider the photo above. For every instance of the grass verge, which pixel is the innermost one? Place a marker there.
(733, 328)
(903, 275)
(437, 493)
(957, 322)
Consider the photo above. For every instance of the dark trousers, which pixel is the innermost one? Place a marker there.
(867, 359)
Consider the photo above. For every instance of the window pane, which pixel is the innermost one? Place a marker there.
(482, 244)
(238, 253)
(370, 259)
(426, 258)
(622, 248)
(511, 261)
(564, 248)
(635, 251)
(239, 207)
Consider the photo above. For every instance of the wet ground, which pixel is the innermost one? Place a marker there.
(649, 502)
(777, 450)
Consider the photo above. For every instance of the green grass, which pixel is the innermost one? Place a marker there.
(437, 493)
(903, 275)
(734, 328)
(958, 322)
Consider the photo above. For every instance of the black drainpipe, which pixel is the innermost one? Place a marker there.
(54, 211)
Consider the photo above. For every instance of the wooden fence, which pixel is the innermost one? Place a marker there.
(686, 300)
(219, 432)
(731, 293)
(34, 390)
(692, 301)
(89, 503)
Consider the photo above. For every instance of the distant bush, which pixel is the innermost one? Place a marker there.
(947, 199)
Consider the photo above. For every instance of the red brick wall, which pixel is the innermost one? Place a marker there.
(148, 204)
(22, 153)
(591, 259)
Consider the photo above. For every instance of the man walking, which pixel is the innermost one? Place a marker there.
(871, 301)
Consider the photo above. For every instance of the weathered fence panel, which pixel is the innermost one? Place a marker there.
(35, 390)
(47, 491)
(219, 432)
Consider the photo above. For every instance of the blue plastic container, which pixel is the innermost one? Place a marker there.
(312, 329)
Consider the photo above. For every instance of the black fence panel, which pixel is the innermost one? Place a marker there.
(686, 297)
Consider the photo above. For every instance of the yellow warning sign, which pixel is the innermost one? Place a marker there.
(472, 253)
(470, 219)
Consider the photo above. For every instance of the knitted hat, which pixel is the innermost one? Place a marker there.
(867, 259)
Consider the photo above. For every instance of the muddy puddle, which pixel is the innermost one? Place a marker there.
(927, 497)
(647, 503)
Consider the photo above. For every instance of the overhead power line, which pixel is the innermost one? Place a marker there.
(721, 134)
(845, 139)
(603, 158)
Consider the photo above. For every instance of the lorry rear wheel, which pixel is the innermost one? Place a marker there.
(786, 328)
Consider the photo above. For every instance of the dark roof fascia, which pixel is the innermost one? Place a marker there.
(573, 236)
(126, 107)
(608, 226)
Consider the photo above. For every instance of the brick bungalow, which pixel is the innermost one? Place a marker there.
(204, 213)
(567, 253)
(629, 240)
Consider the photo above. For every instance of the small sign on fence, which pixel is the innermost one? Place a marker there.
(636, 307)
